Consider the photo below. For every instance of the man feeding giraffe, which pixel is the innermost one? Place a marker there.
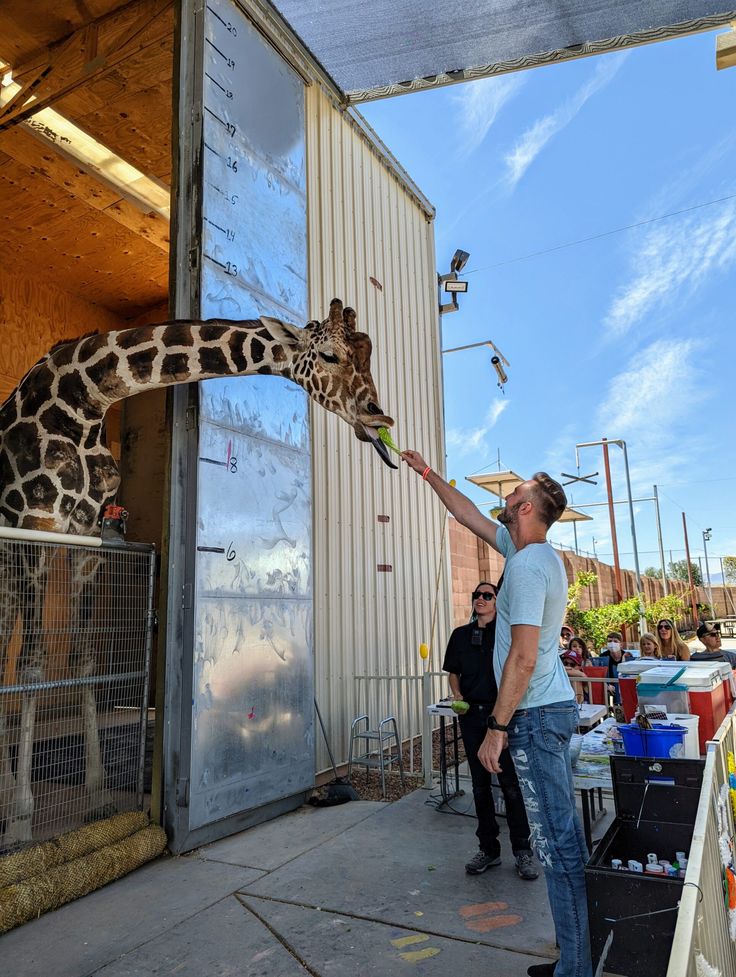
(57, 475)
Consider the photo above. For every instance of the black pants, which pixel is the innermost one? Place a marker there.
(473, 728)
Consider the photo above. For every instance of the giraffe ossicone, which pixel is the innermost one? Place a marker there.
(57, 475)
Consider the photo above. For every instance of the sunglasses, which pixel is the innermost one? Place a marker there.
(664, 627)
(483, 595)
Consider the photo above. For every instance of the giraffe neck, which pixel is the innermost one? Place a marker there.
(94, 373)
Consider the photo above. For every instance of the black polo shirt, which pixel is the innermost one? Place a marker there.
(473, 663)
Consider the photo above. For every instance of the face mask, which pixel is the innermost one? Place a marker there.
(614, 646)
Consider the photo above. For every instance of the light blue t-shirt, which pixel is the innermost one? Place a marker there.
(534, 591)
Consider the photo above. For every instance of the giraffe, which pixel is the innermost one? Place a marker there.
(57, 475)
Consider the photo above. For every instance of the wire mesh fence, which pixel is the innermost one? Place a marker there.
(75, 644)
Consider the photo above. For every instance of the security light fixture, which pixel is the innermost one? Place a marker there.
(450, 282)
(459, 260)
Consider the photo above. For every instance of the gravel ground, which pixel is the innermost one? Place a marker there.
(367, 782)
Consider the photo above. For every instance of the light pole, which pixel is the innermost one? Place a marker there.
(604, 442)
(707, 534)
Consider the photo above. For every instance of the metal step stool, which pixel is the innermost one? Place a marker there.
(375, 743)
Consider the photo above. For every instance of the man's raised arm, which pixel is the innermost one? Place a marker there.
(466, 512)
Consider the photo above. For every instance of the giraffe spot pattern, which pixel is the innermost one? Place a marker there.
(236, 344)
(105, 376)
(141, 364)
(175, 366)
(40, 493)
(131, 338)
(91, 346)
(257, 350)
(73, 391)
(39, 393)
(211, 334)
(212, 360)
(177, 334)
(23, 446)
(55, 420)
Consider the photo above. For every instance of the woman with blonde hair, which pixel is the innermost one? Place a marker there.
(670, 643)
(649, 646)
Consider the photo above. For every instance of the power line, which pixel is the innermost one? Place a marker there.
(597, 237)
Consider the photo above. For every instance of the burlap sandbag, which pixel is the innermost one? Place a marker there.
(26, 900)
(74, 844)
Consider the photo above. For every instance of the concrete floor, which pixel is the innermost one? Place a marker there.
(360, 890)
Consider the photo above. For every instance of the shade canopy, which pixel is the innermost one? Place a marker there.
(372, 50)
(502, 484)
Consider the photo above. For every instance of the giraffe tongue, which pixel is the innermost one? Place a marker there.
(383, 452)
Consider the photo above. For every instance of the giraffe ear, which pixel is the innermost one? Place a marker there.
(282, 332)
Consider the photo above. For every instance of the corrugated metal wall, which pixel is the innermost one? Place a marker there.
(366, 223)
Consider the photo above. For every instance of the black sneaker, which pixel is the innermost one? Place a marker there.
(525, 866)
(542, 969)
(481, 861)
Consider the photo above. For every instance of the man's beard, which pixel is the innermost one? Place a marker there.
(507, 517)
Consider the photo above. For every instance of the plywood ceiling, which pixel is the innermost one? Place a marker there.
(56, 221)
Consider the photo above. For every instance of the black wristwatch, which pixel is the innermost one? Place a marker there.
(493, 723)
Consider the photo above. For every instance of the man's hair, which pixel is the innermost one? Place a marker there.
(549, 497)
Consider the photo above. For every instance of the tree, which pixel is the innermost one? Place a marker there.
(678, 571)
(729, 569)
(653, 572)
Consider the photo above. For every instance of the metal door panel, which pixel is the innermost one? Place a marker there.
(252, 732)
(239, 649)
(254, 516)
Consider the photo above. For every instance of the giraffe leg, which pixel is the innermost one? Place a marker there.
(26, 582)
(86, 568)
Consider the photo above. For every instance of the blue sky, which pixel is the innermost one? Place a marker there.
(628, 336)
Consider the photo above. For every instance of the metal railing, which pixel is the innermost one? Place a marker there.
(405, 697)
(702, 943)
(76, 620)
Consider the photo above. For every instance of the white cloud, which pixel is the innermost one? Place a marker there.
(650, 405)
(467, 442)
(674, 259)
(535, 138)
(479, 103)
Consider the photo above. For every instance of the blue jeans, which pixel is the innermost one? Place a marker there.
(539, 741)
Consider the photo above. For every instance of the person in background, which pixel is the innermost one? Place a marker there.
(710, 635)
(649, 647)
(469, 660)
(671, 644)
(566, 633)
(578, 645)
(613, 654)
(573, 662)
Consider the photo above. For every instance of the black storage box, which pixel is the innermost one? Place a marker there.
(656, 801)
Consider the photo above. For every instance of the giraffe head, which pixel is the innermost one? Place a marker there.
(332, 362)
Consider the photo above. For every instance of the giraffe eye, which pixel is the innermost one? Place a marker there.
(329, 358)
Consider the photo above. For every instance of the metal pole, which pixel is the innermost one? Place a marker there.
(661, 546)
(612, 520)
(642, 615)
(693, 600)
(595, 555)
(707, 574)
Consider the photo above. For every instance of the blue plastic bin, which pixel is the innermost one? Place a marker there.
(661, 741)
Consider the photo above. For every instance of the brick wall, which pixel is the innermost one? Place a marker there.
(473, 560)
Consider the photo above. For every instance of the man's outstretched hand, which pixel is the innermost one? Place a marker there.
(414, 460)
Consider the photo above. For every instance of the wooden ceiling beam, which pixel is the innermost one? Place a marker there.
(86, 54)
(24, 148)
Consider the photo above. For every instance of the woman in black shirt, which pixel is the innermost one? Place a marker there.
(469, 660)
